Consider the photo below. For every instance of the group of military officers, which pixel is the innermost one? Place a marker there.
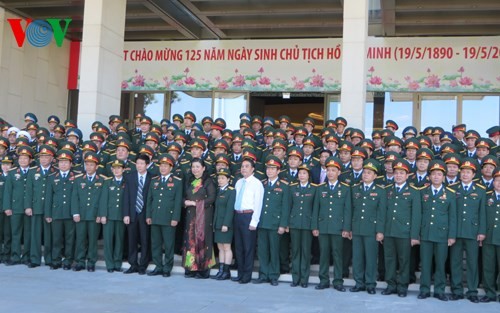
(386, 205)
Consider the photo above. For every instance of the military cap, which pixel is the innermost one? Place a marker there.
(447, 137)
(221, 122)
(279, 144)
(103, 129)
(412, 143)
(268, 120)
(245, 124)
(401, 164)
(295, 151)
(95, 125)
(224, 172)
(489, 159)
(123, 143)
(472, 134)
(5, 127)
(290, 128)
(172, 127)
(190, 115)
(59, 129)
(437, 165)
(89, 146)
(31, 117)
(50, 141)
(358, 152)
(95, 136)
(332, 138)
(392, 124)
(301, 131)
(67, 145)
(386, 133)
(23, 134)
(409, 130)
(309, 142)
(46, 150)
(346, 145)
(327, 131)
(178, 118)
(357, 133)
(138, 116)
(449, 148)
(425, 153)
(4, 142)
(91, 157)
(437, 130)
(222, 158)
(393, 141)
(198, 143)
(332, 161)
(310, 121)
(280, 134)
(64, 155)
(249, 154)
(115, 119)
(22, 141)
(32, 126)
(371, 164)
(25, 150)
(493, 131)
(165, 122)
(273, 161)
(227, 133)
(121, 135)
(118, 163)
(305, 166)
(237, 138)
(347, 131)
(74, 132)
(285, 119)
(269, 132)
(341, 121)
(427, 131)
(7, 159)
(469, 163)
(367, 143)
(330, 124)
(249, 132)
(42, 131)
(496, 172)
(166, 158)
(424, 140)
(174, 146)
(197, 126)
(53, 119)
(391, 156)
(121, 127)
(145, 149)
(222, 144)
(376, 134)
(180, 135)
(146, 120)
(459, 127)
(452, 158)
(484, 143)
(152, 137)
(245, 116)
(256, 119)
(218, 126)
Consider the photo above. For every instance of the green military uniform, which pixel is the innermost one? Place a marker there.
(58, 208)
(128, 167)
(402, 223)
(85, 203)
(110, 207)
(13, 199)
(368, 219)
(285, 239)
(223, 216)
(332, 215)
(275, 211)
(491, 245)
(163, 205)
(35, 199)
(5, 231)
(439, 223)
(471, 221)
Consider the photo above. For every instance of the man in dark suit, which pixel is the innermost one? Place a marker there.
(316, 172)
(134, 215)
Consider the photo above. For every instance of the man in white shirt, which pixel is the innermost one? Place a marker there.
(247, 208)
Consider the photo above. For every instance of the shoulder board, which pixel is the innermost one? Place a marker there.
(346, 172)
(315, 158)
(294, 184)
(13, 169)
(259, 172)
(230, 188)
(78, 175)
(481, 186)
(475, 180)
(156, 178)
(414, 187)
(53, 173)
(388, 186)
(208, 162)
(356, 185)
(381, 176)
(103, 177)
(107, 178)
(33, 167)
(449, 189)
(314, 185)
(345, 184)
(284, 181)
(454, 184)
(100, 165)
(322, 184)
(114, 153)
(489, 192)
(380, 186)
(178, 178)
(132, 153)
(185, 162)
(105, 152)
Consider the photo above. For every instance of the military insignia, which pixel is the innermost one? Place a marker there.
(83, 185)
(170, 179)
(340, 193)
(324, 194)
(443, 197)
(98, 184)
(56, 181)
(156, 184)
(37, 176)
(1, 183)
(490, 201)
(357, 195)
(170, 185)
(406, 193)
(389, 195)
(278, 189)
(111, 187)
(426, 197)
(473, 194)
(373, 194)
(297, 194)
(17, 176)
(348, 181)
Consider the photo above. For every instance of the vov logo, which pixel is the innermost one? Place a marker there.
(39, 33)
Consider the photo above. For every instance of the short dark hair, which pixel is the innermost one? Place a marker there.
(143, 157)
(330, 153)
(252, 163)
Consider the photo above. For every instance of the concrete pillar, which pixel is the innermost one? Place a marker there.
(355, 32)
(101, 62)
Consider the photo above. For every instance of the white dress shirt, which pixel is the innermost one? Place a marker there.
(252, 197)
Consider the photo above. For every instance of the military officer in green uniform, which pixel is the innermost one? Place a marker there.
(331, 221)
(84, 207)
(402, 228)
(35, 201)
(58, 211)
(273, 222)
(491, 244)
(13, 206)
(369, 205)
(223, 222)
(5, 231)
(110, 211)
(437, 232)
(471, 231)
(163, 213)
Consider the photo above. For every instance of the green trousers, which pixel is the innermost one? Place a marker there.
(285, 241)
(47, 242)
(63, 242)
(301, 240)
(428, 251)
(364, 261)
(397, 252)
(114, 235)
(330, 247)
(36, 239)
(471, 248)
(86, 242)
(5, 237)
(163, 235)
(491, 258)
(21, 233)
(268, 247)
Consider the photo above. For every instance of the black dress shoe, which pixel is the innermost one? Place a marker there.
(202, 274)
(294, 284)
(454, 297)
(78, 268)
(118, 269)
(244, 281)
(388, 291)
(189, 274)
(236, 279)
(473, 299)
(10, 263)
(402, 294)
(304, 285)
(111, 270)
(339, 288)
(33, 265)
(487, 299)
(322, 286)
(260, 281)
(55, 266)
(66, 267)
(274, 282)
(357, 289)
(423, 295)
(91, 269)
(371, 291)
(166, 274)
(131, 270)
(142, 271)
(155, 272)
(441, 296)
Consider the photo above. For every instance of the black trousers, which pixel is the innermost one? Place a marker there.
(139, 238)
(244, 241)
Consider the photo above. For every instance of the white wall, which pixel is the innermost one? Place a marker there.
(31, 79)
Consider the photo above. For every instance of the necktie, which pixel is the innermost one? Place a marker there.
(306, 160)
(356, 175)
(322, 177)
(419, 179)
(498, 197)
(332, 186)
(366, 188)
(239, 196)
(471, 154)
(435, 191)
(466, 188)
(24, 172)
(293, 173)
(44, 172)
(139, 202)
(64, 176)
(270, 184)
(90, 179)
(398, 189)
(163, 180)
(237, 158)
